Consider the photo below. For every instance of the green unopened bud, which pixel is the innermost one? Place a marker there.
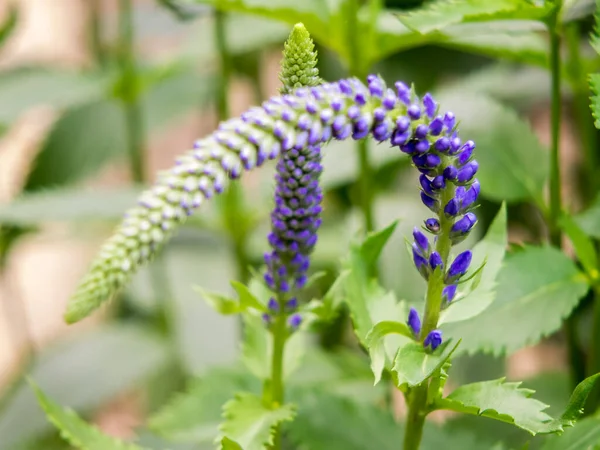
(298, 67)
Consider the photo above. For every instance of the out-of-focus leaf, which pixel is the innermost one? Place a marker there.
(77, 431)
(112, 359)
(69, 205)
(22, 89)
(577, 9)
(81, 141)
(228, 444)
(251, 424)
(195, 415)
(584, 246)
(443, 13)
(537, 288)
(589, 220)
(513, 162)
(8, 26)
(490, 250)
(595, 88)
(584, 436)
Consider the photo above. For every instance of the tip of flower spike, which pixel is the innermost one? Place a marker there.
(299, 61)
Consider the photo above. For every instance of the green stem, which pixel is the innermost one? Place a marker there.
(594, 354)
(133, 112)
(96, 32)
(366, 194)
(277, 391)
(417, 405)
(555, 177)
(583, 119)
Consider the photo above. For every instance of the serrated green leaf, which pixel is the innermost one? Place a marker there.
(246, 298)
(76, 431)
(449, 12)
(249, 423)
(595, 36)
(502, 401)
(491, 250)
(595, 104)
(195, 415)
(584, 436)
(512, 160)
(219, 302)
(537, 288)
(584, 246)
(68, 205)
(413, 364)
(228, 444)
(375, 343)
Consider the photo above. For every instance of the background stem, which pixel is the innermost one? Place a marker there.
(279, 332)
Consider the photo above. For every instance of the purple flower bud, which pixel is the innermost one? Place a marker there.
(292, 303)
(429, 104)
(438, 182)
(466, 153)
(414, 322)
(403, 92)
(266, 318)
(436, 126)
(464, 225)
(402, 124)
(471, 195)
(448, 293)
(433, 339)
(433, 225)
(409, 148)
(420, 262)
(452, 208)
(430, 202)
(389, 100)
(400, 138)
(459, 266)
(426, 185)
(442, 144)
(294, 321)
(449, 120)
(466, 173)
(422, 146)
(421, 241)
(273, 305)
(414, 112)
(435, 261)
(421, 131)
(450, 173)
(454, 145)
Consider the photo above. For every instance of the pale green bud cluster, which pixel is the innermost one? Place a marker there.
(298, 67)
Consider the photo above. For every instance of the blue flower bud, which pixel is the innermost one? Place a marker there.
(452, 208)
(400, 138)
(433, 225)
(414, 322)
(402, 124)
(450, 173)
(430, 105)
(421, 131)
(294, 321)
(420, 262)
(266, 318)
(449, 292)
(463, 226)
(438, 182)
(466, 152)
(436, 126)
(459, 266)
(273, 304)
(471, 195)
(449, 121)
(426, 185)
(433, 339)
(466, 173)
(421, 241)
(432, 203)
(403, 92)
(422, 146)
(442, 144)
(291, 304)
(414, 112)
(435, 261)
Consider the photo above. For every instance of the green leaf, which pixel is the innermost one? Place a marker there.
(584, 246)
(219, 302)
(228, 444)
(375, 343)
(502, 401)
(595, 105)
(76, 431)
(512, 160)
(374, 243)
(414, 364)
(195, 415)
(577, 401)
(327, 308)
(8, 26)
(537, 288)
(584, 436)
(81, 142)
(449, 12)
(68, 205)
(249, 423)
(111, 358)
(589, 220)
(246, 298)
(256, 346)
(490, 250)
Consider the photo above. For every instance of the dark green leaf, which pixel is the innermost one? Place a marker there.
(375, 343)
(512, 160)
(112, 359)
(68, 205)
(449, 12)
(490, 250)
(414, 364)
(81, 142)
(194, 416)
(76, 431)
(502, 401)
(584, 246)
(537, 288)
(584, 436)
(577, 401)
(249, 423)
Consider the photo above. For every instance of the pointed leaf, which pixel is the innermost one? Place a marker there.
(502, 401)
(537, 288)
(578, 399)
(584, 246)
(481, 293)
(414, 364)
(228, 444)
(76, 431)
(448, 12)
(246, 298)
(372, 246)
(375, 343)
(219, 302)
(195, 415)
(584, 436)
(249, 423)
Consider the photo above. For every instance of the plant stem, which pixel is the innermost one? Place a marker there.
(555, 177)
(366, 194)
(279, 332)
(417, 405)
(133, 113)
(232, 214)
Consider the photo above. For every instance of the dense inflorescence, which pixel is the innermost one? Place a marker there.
(307, 117)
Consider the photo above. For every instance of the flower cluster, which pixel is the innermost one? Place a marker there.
(307, 117)
(448, 188)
